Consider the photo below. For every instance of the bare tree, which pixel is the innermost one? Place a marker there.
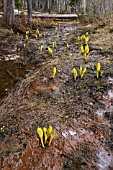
(84, 6)
(9, 11)
(29, 8)
(100, 9)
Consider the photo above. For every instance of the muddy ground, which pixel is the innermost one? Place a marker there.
(81, 111)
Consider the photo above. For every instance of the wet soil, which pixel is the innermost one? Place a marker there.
(81, 111)
(10, 71)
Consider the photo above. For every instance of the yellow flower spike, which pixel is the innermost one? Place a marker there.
(27, 32)
(67, 45)
(40, 35)
(98, 66)
(83, 72)
(83, 36)
(87, 49)
(36, 36)
(87, 33)
(79, 38)
(54, 72)
(53, 43)
(52, 135)
(82, 49)
(49, 130)
(70, 55)
(50, 51)
(41, 48)
(27, 37)
(24, 45)
(80, 70)
(75, 73)
(86, 56)
(98, 69)
(45, 134)
(40, 133)
(18, 49)
(86, 40)
(37, 31)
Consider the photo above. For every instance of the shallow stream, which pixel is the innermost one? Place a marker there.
(9, 70)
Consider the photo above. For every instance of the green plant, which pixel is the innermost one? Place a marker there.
(84, 47)
(41, 48)
(82, 71)
(46, 135)
(50, 51)
(54, 72)
(75, 73)
(98, 72)
(40, 133)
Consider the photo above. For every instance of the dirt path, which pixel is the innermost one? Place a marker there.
(80, 111)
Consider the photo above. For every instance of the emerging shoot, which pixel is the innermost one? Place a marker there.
(54, 44)
(80, 70)
(36, 36)
(75, 74)
(27, 32)
(40, 134)
(82, 49)
(24, 45)
(40, 35)
(87, 49)
(79, 38)
(99, 72)
(50, 51)
(45, 134)
(49, 130)
(86, 56)
(67, 45)
(37, 31)
(52, 135)
(70, 55)
(54, 72)
(27, 37)
(41, 48)
(86, 40)
(83, 72)
(18, 49)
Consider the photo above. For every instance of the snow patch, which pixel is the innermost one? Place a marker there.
(104, 159)
(68, 133)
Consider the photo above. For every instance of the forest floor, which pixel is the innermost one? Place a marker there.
(80, 111)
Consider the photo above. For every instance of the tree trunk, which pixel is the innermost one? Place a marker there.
(9, 11)
(84, 6)
(29, 8)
